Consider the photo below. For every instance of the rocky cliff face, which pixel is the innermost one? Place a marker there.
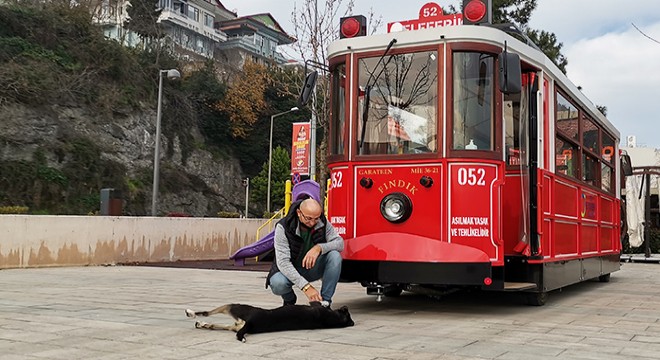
(198, 183)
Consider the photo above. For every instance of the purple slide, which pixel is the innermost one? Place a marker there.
(260, 247)
(302, 190)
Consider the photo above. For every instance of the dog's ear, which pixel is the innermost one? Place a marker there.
(343, 309)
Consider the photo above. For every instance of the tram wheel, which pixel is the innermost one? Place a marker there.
(537, 298)
(604, 278)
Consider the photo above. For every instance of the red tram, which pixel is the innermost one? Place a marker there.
(462, 156)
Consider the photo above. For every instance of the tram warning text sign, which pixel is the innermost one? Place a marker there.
(300, 148)
(430, 16)
(473, 199)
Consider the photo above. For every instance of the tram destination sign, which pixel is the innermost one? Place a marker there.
(430, 16)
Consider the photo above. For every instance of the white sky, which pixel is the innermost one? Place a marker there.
(615, 64)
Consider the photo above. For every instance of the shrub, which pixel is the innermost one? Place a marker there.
(228, 214)
(14, 209)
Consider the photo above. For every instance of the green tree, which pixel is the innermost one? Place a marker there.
(280, 173)
(519, 12)
(513, 11)
(204, 89)
(143, 19)
(547, 42)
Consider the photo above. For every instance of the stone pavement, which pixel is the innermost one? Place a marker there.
(126, 312)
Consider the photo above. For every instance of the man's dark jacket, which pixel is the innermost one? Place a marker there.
(290, 224)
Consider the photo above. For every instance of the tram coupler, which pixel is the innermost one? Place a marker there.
(375, 289)
(381, 290)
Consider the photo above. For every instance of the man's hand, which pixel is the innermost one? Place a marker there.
(310, 258)
(313, 294)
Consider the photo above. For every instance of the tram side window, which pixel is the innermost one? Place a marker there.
(607, 165)
(338, 120)
(473, 101)
(589, 135)
(567, 117)
(589, 170)
(402, 108)
(515, 113)
(565, 157)
(608, 148)
(606, 178)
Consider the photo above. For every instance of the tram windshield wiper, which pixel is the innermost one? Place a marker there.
(367, 90)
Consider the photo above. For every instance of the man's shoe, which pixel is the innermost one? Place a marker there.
(290, 302)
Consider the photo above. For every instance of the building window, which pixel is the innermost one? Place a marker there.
(208, 20)
(193, 13)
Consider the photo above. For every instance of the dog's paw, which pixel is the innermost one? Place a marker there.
(243, 340)
(190, 313)
(200, 324)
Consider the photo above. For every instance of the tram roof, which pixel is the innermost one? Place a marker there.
(471, 33)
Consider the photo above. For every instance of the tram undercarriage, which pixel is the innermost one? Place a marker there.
(534, 280)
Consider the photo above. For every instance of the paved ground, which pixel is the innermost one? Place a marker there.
(128, 312)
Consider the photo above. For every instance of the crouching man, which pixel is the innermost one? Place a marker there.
(307, 248)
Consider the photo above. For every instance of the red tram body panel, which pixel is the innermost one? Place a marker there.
(461, 156)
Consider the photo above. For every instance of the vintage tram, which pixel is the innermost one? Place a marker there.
(461, 156)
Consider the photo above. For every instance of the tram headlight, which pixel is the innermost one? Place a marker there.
(396, 207)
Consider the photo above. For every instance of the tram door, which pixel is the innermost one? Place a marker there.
(519, 201)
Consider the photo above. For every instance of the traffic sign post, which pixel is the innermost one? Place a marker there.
(246, 183)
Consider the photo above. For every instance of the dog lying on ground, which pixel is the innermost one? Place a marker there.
(253, 320)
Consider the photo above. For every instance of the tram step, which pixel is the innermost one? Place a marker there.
(518, 286)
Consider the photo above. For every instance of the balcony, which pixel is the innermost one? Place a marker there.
(175, 17)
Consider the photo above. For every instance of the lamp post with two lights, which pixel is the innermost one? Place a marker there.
(270, 152)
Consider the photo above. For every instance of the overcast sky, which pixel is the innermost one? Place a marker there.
(616, 65)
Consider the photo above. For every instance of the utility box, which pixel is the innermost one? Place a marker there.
(111, 203)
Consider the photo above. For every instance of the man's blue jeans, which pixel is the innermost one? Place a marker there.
(327, 268)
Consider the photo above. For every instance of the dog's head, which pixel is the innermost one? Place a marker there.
(345, 316)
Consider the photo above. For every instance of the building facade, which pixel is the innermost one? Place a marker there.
(202, 29)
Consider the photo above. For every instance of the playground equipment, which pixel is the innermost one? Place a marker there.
(302, 190)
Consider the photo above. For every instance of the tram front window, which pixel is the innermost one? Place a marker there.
(402, 104)
(473, 101)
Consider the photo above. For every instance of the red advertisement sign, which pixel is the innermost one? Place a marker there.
(430, 16)
(300, 148)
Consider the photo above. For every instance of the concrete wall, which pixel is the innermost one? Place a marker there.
(35, 241)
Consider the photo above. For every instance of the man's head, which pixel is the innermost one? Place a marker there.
(309, 212)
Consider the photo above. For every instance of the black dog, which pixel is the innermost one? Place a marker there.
(253, 320)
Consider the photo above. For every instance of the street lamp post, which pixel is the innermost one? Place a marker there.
(270, 152)
(172, 74)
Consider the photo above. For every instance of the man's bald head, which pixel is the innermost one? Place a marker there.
(311, 207)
